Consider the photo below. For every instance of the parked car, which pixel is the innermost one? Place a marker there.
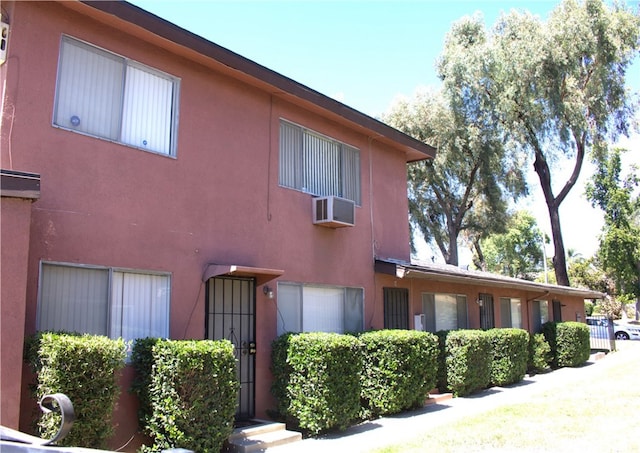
(624, 331)
(599, 328)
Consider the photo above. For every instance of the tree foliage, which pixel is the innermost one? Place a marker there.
(517, 252)
(465, 188)
(619, 249)
(556, 88)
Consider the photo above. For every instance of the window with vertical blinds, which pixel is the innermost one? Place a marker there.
(103, 301)
(317, 164)
(309, 308)
(444, 311)
(510, 312)
(102, 94)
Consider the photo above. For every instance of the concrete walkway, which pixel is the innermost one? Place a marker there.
(404, 427)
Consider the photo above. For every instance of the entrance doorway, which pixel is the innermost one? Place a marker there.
(230, 315)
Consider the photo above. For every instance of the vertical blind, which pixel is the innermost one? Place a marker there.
(308, 308)
(108, 96)
(444, 311)
(73, 299)
(316, 164)
(139, 307)
(103, 302)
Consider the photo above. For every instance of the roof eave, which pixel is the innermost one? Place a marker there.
(410, 271)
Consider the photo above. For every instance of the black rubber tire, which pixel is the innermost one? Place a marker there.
(622, 336)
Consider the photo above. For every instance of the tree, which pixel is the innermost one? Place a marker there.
(557, 87)
(619, 249)
(465, 186)
(517, 252)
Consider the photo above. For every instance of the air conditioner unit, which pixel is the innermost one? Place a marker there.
(333, 212)
(4, 41)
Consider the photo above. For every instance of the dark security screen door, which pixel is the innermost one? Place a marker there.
(396, 308)
(486, 311)
(230, 315)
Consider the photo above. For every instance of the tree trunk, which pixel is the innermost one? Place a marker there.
(453, 249)
(553, 203)
(559, 258)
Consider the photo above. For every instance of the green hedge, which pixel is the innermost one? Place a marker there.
(142, 362)
(400, 368)
(468, 355)
(509, 354)
(539, 354)
(188, 392)
(569, 342)
(317, 380)
(573, 343)
(441, 376)
(85, 368)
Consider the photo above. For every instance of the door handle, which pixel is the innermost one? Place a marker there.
(252, 348)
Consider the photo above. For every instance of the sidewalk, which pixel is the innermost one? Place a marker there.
(403, 427)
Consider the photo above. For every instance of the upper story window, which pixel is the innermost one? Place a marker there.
(108, 96)
(103, 301)
(317, 164)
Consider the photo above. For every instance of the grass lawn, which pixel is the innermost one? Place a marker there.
(598, 410)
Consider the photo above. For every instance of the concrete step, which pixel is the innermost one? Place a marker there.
(435, 398)
(261, 436)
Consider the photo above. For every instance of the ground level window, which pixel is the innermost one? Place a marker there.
(510, 312)
(444, 311)
(103, 301)
(314, 308)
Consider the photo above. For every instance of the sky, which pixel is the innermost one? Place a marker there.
(366, 54)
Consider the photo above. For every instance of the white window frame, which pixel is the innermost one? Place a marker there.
(318, 164)
(121, 98)
(294, 315)
(114, 306)
(433, 321)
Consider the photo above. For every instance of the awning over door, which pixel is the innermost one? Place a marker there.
(261, 274)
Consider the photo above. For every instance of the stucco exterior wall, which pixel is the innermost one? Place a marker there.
(217, 201)
(15, 216)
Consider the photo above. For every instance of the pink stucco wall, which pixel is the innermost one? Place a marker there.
(218, 201)
(15, 216)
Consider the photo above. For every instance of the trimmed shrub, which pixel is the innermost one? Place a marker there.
(468, 361)
(85, 368)
(400, 367)
(572, 343)
(142, 362)
(539, 354)
(549, 331)
(569, 342)
(192, 393)
(317, 380)
(441, 379)
(509, 353)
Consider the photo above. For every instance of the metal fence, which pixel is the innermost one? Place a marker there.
(601, 333)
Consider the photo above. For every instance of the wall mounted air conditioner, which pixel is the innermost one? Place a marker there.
(4, 41)
(333, 212)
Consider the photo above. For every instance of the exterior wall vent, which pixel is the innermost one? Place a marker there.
(333, 212)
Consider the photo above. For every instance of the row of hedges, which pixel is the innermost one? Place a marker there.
(324, 381)
(187, 389)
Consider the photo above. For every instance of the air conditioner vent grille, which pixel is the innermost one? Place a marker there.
(333, 212)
